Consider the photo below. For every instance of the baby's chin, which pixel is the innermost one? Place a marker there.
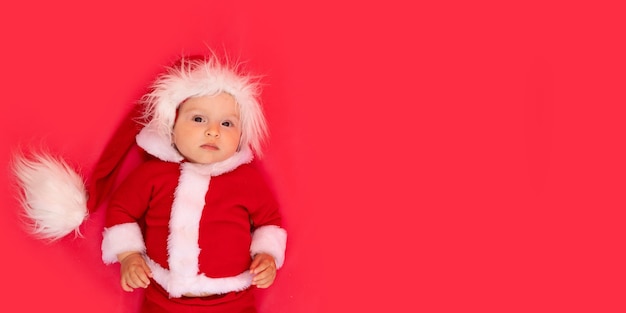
(209, 159)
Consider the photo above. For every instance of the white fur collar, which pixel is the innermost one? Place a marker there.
(155, 144)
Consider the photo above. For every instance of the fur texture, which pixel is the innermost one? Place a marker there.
(53, 195)
(270, 239)
(195, 78)
(121, 238)
(182, 275)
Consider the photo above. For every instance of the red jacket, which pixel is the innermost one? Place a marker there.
(198, 226)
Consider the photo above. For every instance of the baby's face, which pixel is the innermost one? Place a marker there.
(207, 128)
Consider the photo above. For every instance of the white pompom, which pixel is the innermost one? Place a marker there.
(53, 195)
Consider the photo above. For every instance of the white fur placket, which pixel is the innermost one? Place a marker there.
(184, 226)
(189, 200)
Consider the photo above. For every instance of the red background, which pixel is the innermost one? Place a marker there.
(450, 157)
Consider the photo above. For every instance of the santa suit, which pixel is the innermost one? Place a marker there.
(198, 227)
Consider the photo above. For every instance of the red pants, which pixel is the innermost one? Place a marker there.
(156, 300)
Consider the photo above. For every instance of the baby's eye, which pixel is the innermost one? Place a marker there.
(198, 119)
(227, 124)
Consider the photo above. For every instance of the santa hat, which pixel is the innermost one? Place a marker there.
(57, 199)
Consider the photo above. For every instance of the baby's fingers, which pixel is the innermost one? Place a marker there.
(125, 286)
(254, 267)
(140, 279)
(265, 277)
(263, 280)
(135, 278)
(261, 263)
(146, 270)
(259, 267)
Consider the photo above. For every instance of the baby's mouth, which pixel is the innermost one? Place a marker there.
(209, 147)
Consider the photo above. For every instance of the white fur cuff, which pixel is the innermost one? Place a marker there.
(121, 238)
(272, 240)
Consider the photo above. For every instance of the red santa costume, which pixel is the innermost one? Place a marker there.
(197, 225)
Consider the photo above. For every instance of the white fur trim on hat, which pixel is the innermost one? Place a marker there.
(53, 195)
(197, 78)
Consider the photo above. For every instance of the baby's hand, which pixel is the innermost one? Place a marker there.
(263, 268)
(134, 271)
